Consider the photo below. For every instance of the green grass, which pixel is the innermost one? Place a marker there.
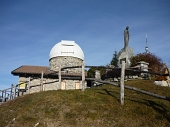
(97, 107)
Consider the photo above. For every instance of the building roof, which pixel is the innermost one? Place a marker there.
(37, 70)
(27, 69)
(67, 48)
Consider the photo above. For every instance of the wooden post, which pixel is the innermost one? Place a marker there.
(14, 91)
(17, 90)
(122, 83)
(5, 96)
(83, 78)
(41, 85)
(29, 79)
(2, 96)
(11, 92)
(8, 96)
(59, 76)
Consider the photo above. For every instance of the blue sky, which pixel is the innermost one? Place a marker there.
(30, 28)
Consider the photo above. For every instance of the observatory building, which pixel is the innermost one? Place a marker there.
(43, 78)
(66, 54)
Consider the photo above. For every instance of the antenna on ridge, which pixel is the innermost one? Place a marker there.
(146, 47)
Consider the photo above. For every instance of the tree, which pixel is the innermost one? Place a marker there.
(155, 63)
(114, 60)
(91, 71)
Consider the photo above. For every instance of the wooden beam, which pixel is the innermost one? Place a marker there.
(132, 88)
(148, 93)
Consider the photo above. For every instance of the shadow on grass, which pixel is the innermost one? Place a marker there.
(150, 103)
(157, 107)
(110, 93)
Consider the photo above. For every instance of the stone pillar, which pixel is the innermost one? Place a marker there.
(97, 74)
(143, 67)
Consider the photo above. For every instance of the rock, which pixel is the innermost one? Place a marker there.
(115, 80)
(161, 83)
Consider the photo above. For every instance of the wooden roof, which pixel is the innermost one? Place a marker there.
(37, 70)
(26, 69)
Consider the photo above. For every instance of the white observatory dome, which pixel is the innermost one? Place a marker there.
(67, 48)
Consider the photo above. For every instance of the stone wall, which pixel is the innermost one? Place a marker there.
(67, 61)
(50, 84)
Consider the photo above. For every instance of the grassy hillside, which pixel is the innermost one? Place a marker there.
(96, 107)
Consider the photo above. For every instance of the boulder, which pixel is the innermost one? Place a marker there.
(161, 83)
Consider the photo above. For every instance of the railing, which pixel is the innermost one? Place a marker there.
(9, 94)
(14, 91)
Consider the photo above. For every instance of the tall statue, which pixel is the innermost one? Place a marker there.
(126, 37)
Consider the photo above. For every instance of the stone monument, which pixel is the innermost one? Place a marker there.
(127, 52)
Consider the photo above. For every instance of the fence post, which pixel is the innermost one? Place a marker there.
(5, 96)
(14, 91)
(17, 89)
(122, 83)
(2, 95)
(41, 85)
(59, 76)
(11, 92)
(83, 77)
(29, 85)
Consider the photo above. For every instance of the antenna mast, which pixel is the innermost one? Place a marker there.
(146, 47)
